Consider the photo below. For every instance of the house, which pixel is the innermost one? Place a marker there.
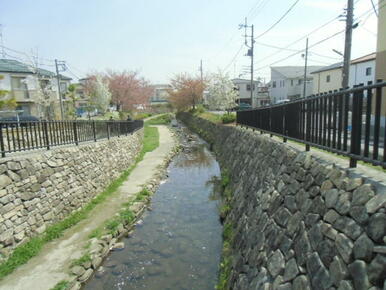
(329, 78)
(160, 94)
(35, 90)
(287, 82)
(260, 96)
(244, 88)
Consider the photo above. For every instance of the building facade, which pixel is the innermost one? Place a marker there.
(287, 82)
(329, 78)
(34, 90)
(160, 94)
(260, 95)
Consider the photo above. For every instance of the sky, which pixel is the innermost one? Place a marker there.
(161, 38)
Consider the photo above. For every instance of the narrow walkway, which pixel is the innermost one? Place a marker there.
(52, 264)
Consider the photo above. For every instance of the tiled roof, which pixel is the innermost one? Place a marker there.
(14, 66)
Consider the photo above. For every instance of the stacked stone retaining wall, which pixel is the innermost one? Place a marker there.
(39, 188)
(298, 222)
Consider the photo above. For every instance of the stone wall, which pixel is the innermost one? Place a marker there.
(298, 222)
(40, 188)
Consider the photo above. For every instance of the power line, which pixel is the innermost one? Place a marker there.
(278, 21)
(301, 38)
(259, 10)
(297, 50)
(291, 55)
(312, 32)
(375, 10)
(234, 58)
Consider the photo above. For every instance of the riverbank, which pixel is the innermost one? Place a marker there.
(52, 265)
(177, 245)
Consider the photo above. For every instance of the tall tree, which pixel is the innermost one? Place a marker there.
(97, 88)
(187, 91)
(221, 93)
(128, 90)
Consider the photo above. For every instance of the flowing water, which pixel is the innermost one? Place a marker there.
(178, 245)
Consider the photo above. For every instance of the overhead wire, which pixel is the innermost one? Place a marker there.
(299, 51)
(279, 20)
(234, 58)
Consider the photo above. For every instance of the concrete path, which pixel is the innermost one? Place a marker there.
(52, 264)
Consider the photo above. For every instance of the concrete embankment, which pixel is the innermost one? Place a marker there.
(296, 221)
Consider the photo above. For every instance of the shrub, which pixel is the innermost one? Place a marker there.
(228, 118)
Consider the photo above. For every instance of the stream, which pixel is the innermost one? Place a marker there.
(176, 245)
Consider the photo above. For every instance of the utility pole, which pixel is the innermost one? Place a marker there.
(57, 63)
(250, 50)
(305, 69)
(1, 41)
(201, 72)
(347, 43)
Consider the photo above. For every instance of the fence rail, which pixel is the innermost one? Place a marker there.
(23, 135)
(349, 122)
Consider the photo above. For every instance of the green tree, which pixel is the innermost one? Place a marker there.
(6, 101)
(72, 98)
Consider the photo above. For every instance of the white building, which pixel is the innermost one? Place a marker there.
(260, 96)
(160, 94)
(287, 82)
(329, 78)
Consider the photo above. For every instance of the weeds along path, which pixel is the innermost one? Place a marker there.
(52, 264)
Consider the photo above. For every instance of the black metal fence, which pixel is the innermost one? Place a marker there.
(22, 136)
(349, 122)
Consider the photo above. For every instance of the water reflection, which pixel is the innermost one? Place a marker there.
(196, 156)
(179, 243)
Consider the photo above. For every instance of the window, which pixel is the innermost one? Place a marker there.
(299, 82)
(274, 84)
(328, 79)
(18, 83)
(292, 83)
(368, 71)
(19, 87)
(63, 87)
(248, 87)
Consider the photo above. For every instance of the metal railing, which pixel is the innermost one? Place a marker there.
(24, 135)
(346, 122)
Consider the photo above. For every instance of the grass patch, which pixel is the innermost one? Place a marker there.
(226, 256)
(226, 259)
(97, 233)
(62, 285)
(141, 116)
(143, 194)
(31, 248)
(84, 259)
(225, 179)
(214, 118)
(164, 119)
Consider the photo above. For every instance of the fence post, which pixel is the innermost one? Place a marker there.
(75, 133)
(2, 142)
(119, 128)
(108, 129)
(94, 131)
(45, 133)
(308, 113)
(355, 146)
(284, 123)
